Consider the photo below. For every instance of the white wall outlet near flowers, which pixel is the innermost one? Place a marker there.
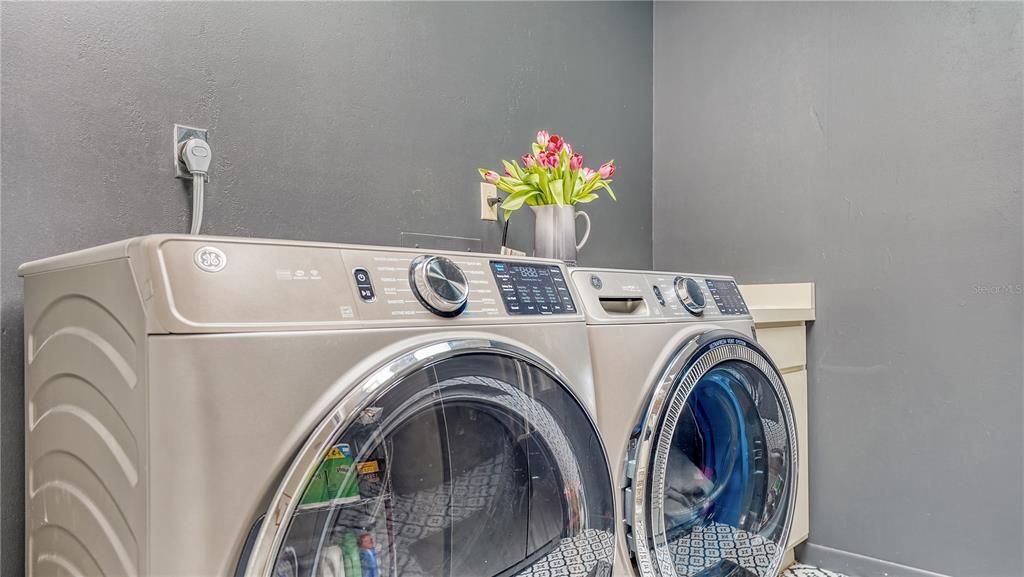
(488, 208)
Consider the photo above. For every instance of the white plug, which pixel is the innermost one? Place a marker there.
(196, 154)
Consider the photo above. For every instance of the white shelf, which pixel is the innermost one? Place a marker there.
(780, 303)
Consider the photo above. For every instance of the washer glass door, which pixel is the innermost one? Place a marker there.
(478, 464)
(720, 465)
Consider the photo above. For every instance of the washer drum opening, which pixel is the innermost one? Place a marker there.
(474, 460)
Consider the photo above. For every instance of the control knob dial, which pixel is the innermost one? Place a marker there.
(439, 284)
(689, 294)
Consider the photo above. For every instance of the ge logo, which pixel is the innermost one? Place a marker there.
(210, 259)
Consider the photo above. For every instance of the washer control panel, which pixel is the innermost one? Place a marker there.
(221, 283)
(532, 289)
(423, 286)
(460, 286)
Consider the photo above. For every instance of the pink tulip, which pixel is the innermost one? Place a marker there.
(589, 174)
(575, 161)
(542, 137)
(492, 177)
(568, 149)
(529, 161)
(607, 169)
(555, 143)
(549, 159)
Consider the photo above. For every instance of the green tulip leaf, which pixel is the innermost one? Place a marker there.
(567, 187)
(611, 193)
(512, 169)
(515, 201)
(556, 192)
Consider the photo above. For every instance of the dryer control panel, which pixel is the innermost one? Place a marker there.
(640, 296)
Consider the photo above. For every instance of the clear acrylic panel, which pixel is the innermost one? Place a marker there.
(479, 465)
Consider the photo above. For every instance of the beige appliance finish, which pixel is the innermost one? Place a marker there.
(179, 388)
(649, 352)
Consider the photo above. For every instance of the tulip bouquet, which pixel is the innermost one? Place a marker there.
(553, 173)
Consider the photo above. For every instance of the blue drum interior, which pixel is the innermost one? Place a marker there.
(727, 475)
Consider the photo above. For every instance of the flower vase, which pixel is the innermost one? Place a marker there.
(554, 234)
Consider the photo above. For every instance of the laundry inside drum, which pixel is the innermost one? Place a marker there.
(457, 471)
(726, 476)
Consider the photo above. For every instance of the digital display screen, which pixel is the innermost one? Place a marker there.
(727, 296)
(532, 289)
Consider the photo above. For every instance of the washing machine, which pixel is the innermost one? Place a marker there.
(205, 406)
(698, 425)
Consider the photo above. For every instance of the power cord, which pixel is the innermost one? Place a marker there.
(196, 155)
(504, 230)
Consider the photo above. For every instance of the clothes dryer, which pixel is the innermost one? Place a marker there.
(698, 424)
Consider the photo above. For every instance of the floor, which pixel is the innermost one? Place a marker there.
(799, 570)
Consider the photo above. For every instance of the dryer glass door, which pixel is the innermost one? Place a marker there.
(720, 464)
(481, 463)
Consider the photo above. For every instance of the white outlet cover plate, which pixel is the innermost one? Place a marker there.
(487, 192)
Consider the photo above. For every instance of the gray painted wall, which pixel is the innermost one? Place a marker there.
(876, 149)
(335, 122)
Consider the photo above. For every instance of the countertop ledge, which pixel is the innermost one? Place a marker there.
(780, 302)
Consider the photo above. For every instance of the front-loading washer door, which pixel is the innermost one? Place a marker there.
(711, 467)
(462, 459)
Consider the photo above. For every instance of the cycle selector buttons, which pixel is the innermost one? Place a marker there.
(689, 294)
(439, 284)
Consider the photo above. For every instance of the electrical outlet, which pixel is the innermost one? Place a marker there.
(181, 134)
(488, 209)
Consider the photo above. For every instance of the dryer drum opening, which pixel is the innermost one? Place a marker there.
(722, 468)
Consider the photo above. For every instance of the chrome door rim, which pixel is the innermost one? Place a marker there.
(667, 399)
(282, 507)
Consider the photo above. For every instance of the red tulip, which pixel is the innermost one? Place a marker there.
(529, 161)
(542, 137)
(548, 158)
(492, 177)
(607, 169)
(555, 143)
(575, 161)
